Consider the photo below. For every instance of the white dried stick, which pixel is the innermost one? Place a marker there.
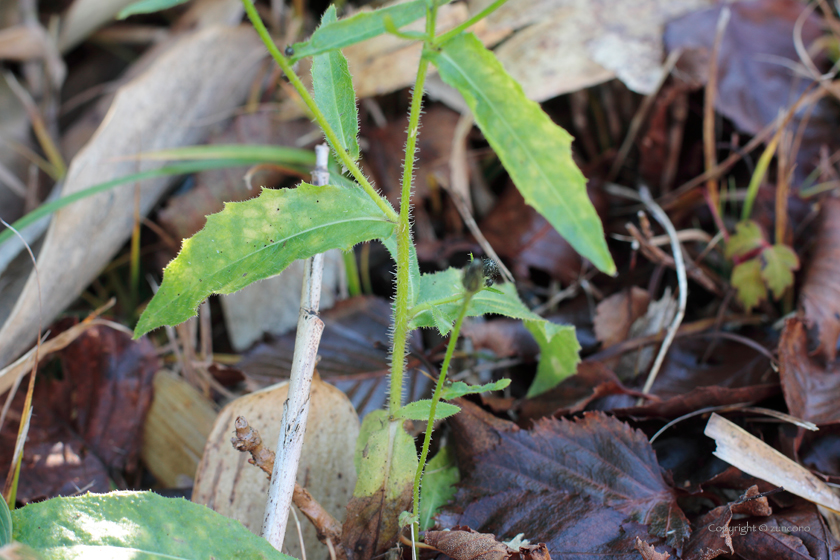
(296, 407)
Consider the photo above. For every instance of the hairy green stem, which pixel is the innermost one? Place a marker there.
(330, 134)
(450, 349)
(404, 240)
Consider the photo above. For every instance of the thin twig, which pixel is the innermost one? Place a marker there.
(682, 282)
(296, 408)
(639, 117)
(709, 138)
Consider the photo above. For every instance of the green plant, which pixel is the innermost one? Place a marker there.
(252, 240)
(258, 238)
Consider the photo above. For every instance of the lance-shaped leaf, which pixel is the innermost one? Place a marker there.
(439, 300)
(459, 388)
(357, 28)
(386, 461)
(258, 238)
(536, 152)
(439, 480)
(420, 410)
(332, 86)
(134, 525)
(5, 523)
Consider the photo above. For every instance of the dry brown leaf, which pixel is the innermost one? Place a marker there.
(567, 45)
(86, 16)
(462, 543)
(810, 387)
(820, 295)
(616, 314)
(176, 430)
(169, 105)
(648, 552)
(226, 482)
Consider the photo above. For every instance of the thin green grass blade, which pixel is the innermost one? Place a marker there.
(148, 7)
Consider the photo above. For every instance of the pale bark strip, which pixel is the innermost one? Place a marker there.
(296, 407)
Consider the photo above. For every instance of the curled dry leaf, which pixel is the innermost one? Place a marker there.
(462, 543)
(648, 552)
(795, 532)
(810, 388)
(713, 536)
(820, 295)
(594, 468)
(201, 76)
(226, 483)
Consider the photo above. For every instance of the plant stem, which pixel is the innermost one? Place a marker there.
(450, 349)
(404, 240)
(332, 138)
(470, 22)
(296, 407)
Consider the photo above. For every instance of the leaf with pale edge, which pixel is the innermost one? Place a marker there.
(420, 410)
(439, 480)
(747, 238)
(777, 265)
(564, 481)
(386, 461)
(134, 525)
(536, 152)
(559, 356)
(258, 238)
(439, 300)
(746, 278)
(357, 28)
(332, 86)
(148, 7)
(459, 389)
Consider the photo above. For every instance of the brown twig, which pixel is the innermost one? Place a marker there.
(709, 148)
(248, 440)
(658, 256)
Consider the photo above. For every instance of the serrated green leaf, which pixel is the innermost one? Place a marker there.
(439, 480)
(746, 278)
(258, 238)
(559, 355)
(442, 293)
(439, 298)
(5, 523)
(148, 7)
(134, 525)
(332, 86)
(777, 265)
(358, 28)
(747, 238)
(459, 389)
(420, 410)
(535, 151)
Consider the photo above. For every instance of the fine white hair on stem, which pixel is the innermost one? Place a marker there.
(296, 407)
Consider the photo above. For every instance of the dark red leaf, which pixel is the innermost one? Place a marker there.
(106, 392)
(596, 465)
(810, 388)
